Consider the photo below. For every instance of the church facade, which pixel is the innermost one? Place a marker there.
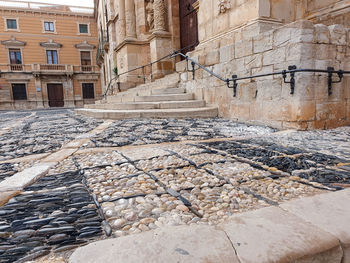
(242, 38)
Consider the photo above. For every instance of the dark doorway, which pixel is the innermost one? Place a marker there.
(19, 92)
(188, 25)
(55, 94)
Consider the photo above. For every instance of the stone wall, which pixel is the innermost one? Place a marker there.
(268, 100)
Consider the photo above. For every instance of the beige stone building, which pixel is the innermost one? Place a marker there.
(236, 37)
(47, 56)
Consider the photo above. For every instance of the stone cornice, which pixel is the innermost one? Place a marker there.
(51, 44)
(12, 42)
(130, 42)
(85, 45)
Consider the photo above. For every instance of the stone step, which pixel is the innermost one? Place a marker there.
(168, 91)
(204, 112)
(148, 105)
(168, 97)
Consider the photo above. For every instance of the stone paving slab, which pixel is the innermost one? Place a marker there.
(273, 235)
(28, 176)
(60, 155)
(265, 235)
(330, 212)
(172, 244)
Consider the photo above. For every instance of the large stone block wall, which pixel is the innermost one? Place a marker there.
(268, 100)
(218, 17)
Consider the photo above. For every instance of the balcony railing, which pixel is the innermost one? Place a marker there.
(85, 68)
(48, 68)
(15, 68)
(53, 67)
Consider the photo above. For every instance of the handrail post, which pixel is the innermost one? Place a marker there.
(144, 76)
(234, 79)
(118, 84)
(340, 74)
(292, 78)
(193, 69)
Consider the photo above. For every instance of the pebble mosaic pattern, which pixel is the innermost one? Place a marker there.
(46, 131)
(138, 132)
(129, 190)
(56, 213)
(180, 184)
(316, 167)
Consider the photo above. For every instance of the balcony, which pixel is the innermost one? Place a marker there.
(16, 68)
(47, 68)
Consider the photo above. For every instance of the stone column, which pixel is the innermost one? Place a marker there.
(159, 16)
(130, 19)
(121, 22)
(39, 92)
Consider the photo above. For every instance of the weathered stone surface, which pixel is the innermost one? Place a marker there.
(278, 236)
(26, 177)
(171, 244)
(330, 212)
(322, 34)
(338, 34)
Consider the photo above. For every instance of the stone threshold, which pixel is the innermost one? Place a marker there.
(313, 229)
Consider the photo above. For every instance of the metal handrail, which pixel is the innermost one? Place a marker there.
(171, 55)
(292, 70)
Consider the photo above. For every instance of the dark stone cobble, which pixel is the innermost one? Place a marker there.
(148, 131)
(48, 216)
(45, 131)
(326, 169)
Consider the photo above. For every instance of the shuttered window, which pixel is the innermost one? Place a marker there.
(19, 91)
(88, 91)
(85, 58)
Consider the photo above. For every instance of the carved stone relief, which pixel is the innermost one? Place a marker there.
(150, 14)
(159, 15)
(224, 5)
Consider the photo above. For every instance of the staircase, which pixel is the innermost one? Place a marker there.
(160, 99)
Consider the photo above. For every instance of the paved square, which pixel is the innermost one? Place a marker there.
(138, 175)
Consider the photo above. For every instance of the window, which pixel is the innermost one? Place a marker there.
(49, 26)
(19, 91)
(83, 29)
(52, 57)
(85, 57)
(15, 56)
(11, 23)
(88, 91)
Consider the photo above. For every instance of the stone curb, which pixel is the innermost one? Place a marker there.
(22, 179)
(304, 230)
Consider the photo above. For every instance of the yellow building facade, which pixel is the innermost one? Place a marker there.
(47, 56)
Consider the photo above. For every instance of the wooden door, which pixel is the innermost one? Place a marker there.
(55, 95)
(188, 25)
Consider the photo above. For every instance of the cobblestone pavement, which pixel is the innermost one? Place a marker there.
(138, 175)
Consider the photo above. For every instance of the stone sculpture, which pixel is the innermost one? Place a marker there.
(224, 5)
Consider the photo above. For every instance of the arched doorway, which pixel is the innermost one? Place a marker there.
(188, 25)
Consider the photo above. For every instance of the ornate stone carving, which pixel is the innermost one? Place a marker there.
(159, 15)
(150, 14)
(85, 45)
(12, 42)
(224, 5)
(51, 44)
